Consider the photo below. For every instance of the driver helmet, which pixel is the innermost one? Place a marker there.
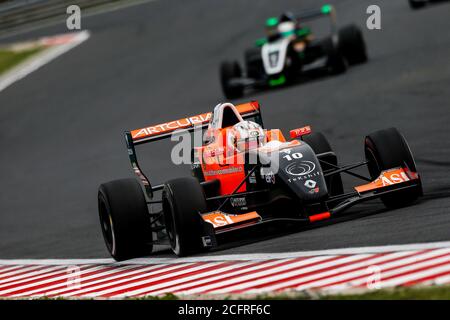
(272, 27)
(247, 135)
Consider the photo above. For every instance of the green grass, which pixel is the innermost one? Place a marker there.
(415, 293)
(400, 293)
(425, 293)
(10, 58)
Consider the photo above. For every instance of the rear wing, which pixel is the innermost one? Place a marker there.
(325, 10)
(250, 110)
(165, 130)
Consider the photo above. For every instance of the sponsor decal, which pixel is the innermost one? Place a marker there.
(171, 126)
(220, 219)
(295, 155)
(296, 133)
(388, 178)
(222, 171)
(187, 122)
(238, 202)
(207, 242)
(214, 152)
(301, 168)
(273, 57)
(140, 175)
(310, 184)
(252, 178)
(315, 190)
(305, 177)
(268, 175)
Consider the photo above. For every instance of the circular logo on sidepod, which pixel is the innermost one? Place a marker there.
(300, 168)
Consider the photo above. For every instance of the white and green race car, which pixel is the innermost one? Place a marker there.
(290, 51)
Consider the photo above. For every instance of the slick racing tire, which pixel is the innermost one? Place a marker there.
(337, 64)
(319, 143)
(183, 200)
(352, 45)
(124, 219)
(417, 4)
(228, 71)
(336, 61)
(387, 149)
(254, 63)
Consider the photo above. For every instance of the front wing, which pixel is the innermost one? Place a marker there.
(218, 224)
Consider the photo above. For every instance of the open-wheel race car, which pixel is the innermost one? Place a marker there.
(417, 4)
(290, 50)
(245, 176)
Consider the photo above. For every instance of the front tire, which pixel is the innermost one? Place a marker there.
(387, 149)
(183, 201)
(124, 219)
(253, 63)
(319, 143)
(228, 71)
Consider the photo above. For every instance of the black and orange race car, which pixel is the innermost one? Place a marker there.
(245, 176)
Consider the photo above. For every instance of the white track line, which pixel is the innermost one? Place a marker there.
(233, 257)
(40, 59)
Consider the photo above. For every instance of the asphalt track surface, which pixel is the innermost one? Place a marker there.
(61, 127)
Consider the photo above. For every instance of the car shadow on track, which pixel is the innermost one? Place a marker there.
(280, 229)
(308, 77)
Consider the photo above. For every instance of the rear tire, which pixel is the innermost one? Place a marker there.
(414, 4)
(319, 143)
(387, 149)
(352, 45)
(124, 219)
(183, 200)
(228, 71)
